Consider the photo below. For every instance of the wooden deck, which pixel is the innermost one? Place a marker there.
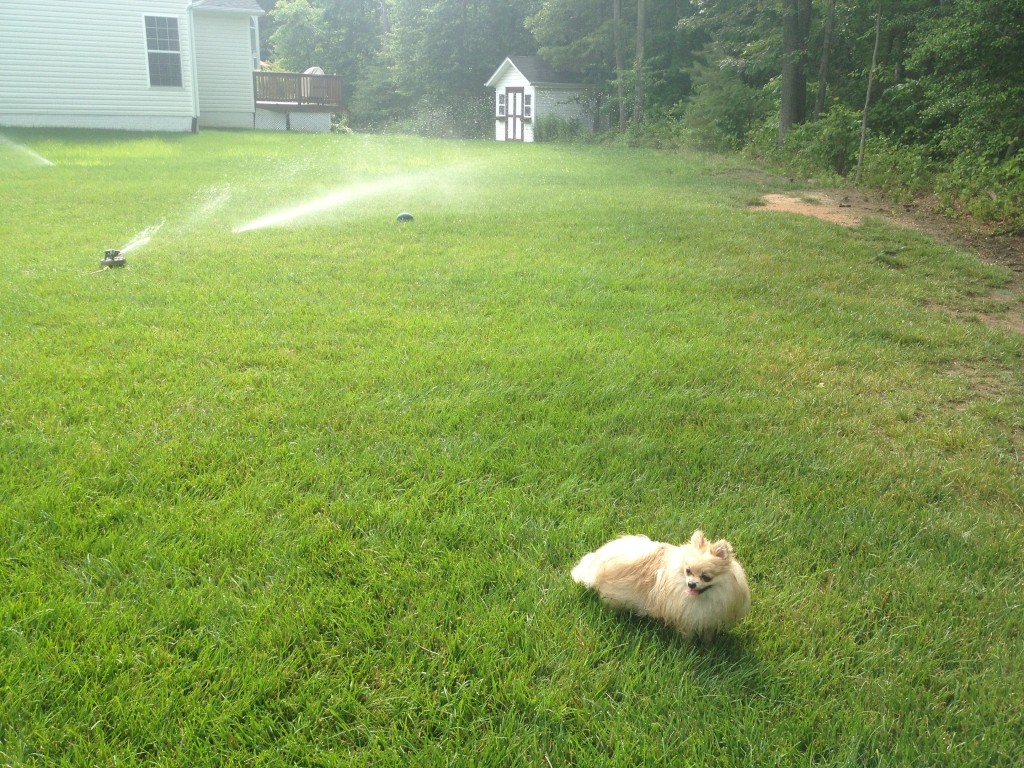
(288, 92)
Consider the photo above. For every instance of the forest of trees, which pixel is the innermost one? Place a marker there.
(908, 95)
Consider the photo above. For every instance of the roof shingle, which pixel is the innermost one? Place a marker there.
(536, 70)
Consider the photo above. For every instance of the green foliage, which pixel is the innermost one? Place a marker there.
(830, 143)
(744, 36)
(463, 120)
(970, 64)
(658, 131)
(401, 56)
(993, 192)
(577, 36)
(945, 113)
(299, 36)
(554, 128)
(723, 110)
(441, 52)
(376, 101)
(902, 171)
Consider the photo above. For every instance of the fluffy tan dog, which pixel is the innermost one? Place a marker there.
(698, 588)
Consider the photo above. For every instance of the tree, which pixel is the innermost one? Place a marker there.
(867, 97)
(826, 50)
(639, 66)
(638, 70)
(299, 34)
(578, 37)
(439, 53)
(619, 61)
(267, 26)
(948, 81)
(796, 27)
(967, 65)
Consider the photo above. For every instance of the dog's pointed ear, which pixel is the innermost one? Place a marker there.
(698, 540)
(722, 549)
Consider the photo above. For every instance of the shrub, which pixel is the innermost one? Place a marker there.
(722, 111)
(554, 128)
(901, 171)
(991, 192)
(465, 120)
(828, 146)
(830, 143)
(660, 129)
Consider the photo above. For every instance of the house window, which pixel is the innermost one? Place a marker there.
(501, 105)
(163, 50)
(528, 105)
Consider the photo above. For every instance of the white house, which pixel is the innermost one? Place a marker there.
(152, 65)
(527, 89)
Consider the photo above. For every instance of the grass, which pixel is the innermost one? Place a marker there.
(309, 494)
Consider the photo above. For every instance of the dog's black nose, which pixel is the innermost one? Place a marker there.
(691, 584)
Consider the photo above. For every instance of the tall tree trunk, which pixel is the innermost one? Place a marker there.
(619, 63)
(867, 97)
(796, 27)
(826, 49)
(641, 34)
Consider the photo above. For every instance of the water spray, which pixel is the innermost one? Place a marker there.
(24, 150)
(346, 195)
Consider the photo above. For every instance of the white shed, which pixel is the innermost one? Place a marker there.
(527, 89)
(157, 65)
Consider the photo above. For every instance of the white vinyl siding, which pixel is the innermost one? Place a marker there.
(565, 103)
(86, 64)
(224, 70)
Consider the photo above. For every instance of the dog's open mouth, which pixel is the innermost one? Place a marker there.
(696, 591)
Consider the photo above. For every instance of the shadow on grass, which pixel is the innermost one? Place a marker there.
(730, 662)
(727, 646)
(94, 136)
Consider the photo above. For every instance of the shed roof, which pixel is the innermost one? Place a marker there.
(250, 7)
(535, 70)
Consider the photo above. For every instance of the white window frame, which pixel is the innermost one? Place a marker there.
(163, 51)
(501, 108)
(527, 106)
(254, 42)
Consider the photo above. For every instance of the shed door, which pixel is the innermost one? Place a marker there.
(514, 114)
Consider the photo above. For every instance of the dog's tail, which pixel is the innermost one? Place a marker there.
(585, 571)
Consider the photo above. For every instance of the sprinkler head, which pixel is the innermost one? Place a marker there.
(405, 217)
(113, 258)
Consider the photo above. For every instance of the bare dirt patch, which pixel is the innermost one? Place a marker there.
(817, 205)
(984, 384)
(850, 207)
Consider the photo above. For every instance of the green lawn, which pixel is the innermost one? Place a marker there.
(309, 494)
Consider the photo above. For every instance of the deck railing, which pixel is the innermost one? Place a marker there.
(280, 90)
